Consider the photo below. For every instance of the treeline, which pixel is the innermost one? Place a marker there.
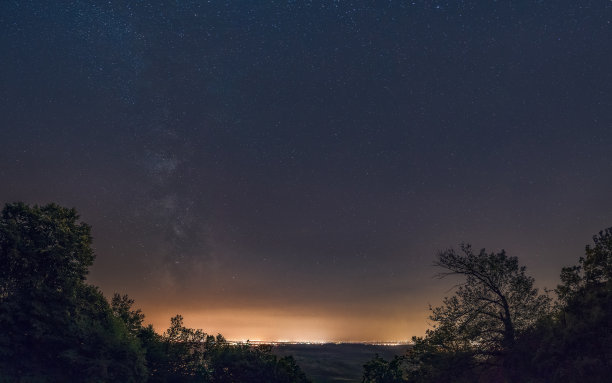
(498, 328)
(54, 327)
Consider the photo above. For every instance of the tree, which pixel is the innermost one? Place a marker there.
(594, 270)
(248, 363)
(443, 355)
(101, 347)
(184, 354)
(54, 326)
(477, 327)
(575, 344)
(378, 370)
(496, 301)
(122, 308)
(186, 349)
(42, 249)
(497, 328)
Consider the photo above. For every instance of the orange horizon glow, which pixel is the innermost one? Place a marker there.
(275, 326)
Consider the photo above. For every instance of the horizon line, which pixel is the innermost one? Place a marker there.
(317, 342)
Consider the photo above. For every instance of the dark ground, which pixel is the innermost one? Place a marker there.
(336, 362)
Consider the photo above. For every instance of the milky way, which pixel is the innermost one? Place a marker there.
(288, 170)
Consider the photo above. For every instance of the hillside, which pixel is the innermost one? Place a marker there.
(332, 362)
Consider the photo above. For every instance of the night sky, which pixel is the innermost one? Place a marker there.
(288, 170)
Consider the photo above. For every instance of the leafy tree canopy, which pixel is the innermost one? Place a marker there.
(53, 326)
(497, 328)
(494, 303)
(42, 247)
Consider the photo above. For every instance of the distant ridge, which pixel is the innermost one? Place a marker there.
(333, 362)
(283, 342)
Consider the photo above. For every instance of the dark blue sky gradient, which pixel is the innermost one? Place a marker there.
(290, 159)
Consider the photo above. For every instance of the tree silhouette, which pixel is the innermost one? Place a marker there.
(495, 301)
(497, 328)
(56, 328)
(475, 331)
(53, 326)
(122, 308)
(379, 370)
(42, 249)
(575, 344)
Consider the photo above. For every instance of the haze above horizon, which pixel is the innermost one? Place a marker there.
(289, 170)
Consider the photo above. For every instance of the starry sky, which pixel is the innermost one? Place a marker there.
(288, 170)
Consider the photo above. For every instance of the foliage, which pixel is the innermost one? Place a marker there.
(496, 301)
(42, 249)
(575, 345)
(440, 357)
(185, 351)
(497, 328)
(476, 329)
(122, 309)
(53, 326)
(183, 354)
(594, 271)
(379, 370)
(56, 328)
(248, 363)
(192, 355)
